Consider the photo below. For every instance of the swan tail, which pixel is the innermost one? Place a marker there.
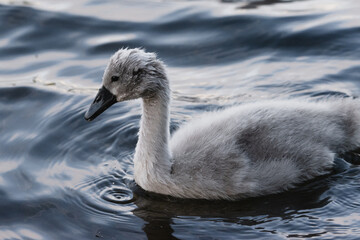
(349, 115)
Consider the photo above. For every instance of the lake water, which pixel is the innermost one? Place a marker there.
(64, 178)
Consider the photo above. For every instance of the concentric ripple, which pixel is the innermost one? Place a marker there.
(117, 195)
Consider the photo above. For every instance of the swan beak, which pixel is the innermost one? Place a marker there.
(103, 100)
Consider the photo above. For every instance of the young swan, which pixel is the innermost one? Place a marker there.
(244, 151)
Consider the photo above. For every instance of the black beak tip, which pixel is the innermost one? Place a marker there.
(103, 100)
(90, 114)
(93, 112)
(87, 118)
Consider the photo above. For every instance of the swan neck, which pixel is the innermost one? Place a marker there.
(152, 155)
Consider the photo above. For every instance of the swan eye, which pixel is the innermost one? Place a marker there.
(114, 78)
(136, 72)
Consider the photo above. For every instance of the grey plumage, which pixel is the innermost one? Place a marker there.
(243, 151)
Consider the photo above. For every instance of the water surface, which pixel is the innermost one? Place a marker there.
(64, 178)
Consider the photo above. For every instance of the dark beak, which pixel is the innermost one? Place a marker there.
(103, 100)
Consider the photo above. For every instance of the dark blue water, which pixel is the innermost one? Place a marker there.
(64, 178)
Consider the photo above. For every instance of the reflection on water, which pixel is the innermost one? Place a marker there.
(64, 178)
(266, 215)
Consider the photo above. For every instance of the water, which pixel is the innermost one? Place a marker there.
(64, 178)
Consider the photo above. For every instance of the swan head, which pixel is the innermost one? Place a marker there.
(130, 74)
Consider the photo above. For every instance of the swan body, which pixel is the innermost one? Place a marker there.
(244, 151)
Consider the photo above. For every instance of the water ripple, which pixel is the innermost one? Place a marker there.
(117, 195)
(64, 178)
